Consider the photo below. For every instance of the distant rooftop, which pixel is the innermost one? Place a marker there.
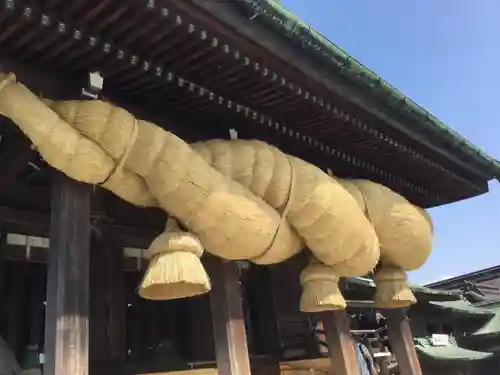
(482, 275)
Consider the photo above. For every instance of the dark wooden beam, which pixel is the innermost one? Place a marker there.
(231, 348)
(37, 224)
(67, 325)
(401, 340)
(343, 359)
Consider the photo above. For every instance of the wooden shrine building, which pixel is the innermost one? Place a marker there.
(71, 254)
(482, 286)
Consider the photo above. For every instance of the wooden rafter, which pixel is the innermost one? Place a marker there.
(148, 66)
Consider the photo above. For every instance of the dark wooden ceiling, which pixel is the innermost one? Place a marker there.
(184, 72)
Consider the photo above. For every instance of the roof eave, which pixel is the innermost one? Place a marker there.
(285, 39)
(320, 48)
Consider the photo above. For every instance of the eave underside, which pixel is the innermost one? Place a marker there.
(198, 78)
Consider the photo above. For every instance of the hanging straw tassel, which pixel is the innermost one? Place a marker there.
(392, 290)
(320, 289)
(175, 270)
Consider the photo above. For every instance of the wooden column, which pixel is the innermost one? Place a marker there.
(343, 359)
(263, 309)
(3, 289)
(35, 317)
(401, 340)
(67, 326)
(17, 308)
(107, 306)
(231, 348)
(197, 336)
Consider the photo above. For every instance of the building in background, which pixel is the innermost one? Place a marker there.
(481, 287)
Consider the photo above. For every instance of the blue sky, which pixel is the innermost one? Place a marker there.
(445, 56)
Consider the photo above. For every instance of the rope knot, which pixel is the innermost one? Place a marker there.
(392, 288)
(389, 273)
(317, 272)
(174, 240)
(274, 252)
(320, 288)
(134, 134)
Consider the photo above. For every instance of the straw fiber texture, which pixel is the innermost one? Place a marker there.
(175, 270)
(320, 289)
(404, 231)
(239, 199)
(322, 212)
(393, 290)
(405, 234)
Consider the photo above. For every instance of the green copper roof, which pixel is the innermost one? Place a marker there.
(491, 328)
(490, 304)
(451, 353)
(431, 294)
(449, 295)
(290, 26)
(462, 307)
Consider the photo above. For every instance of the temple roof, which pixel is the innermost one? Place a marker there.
(462, 307)
(451, 353)
(491, 328)
(420, 291)
(200, 68)
(482, 275)
(289, 25)
(490, 304)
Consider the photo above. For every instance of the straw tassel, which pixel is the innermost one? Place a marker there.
(393, 290)
(320, 289)
(175, 270)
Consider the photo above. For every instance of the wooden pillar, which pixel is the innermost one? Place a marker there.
(231, 348)
(401, 340)
(17, 309)
(134, 319)
(343, 359)
(107, 306)
(67, 326)
(263, 309)
(198, 337)
(36, 297)
(3, 286)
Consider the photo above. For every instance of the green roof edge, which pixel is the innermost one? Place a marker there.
(367, 282)
(450, 353)
(292, 27)
(463, 307)
(491, 327)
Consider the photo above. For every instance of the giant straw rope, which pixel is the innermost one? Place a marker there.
(238, 199)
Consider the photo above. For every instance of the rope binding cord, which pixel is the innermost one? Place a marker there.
(126, 153)
(286, 208)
